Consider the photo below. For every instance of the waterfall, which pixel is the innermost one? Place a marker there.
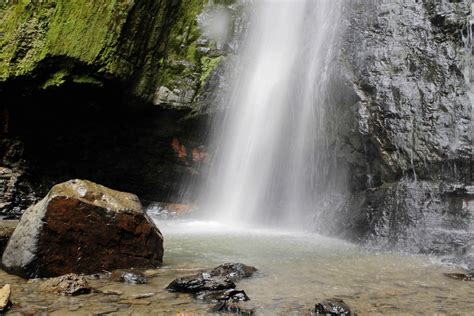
(274, 162)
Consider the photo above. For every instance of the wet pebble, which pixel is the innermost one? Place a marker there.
(129, 276)
(332, 306)
(231, 308)
(461, 276)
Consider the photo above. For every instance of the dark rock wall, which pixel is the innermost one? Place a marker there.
(413, 178)
(77, 84)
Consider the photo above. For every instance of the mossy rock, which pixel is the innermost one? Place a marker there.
(119, 39)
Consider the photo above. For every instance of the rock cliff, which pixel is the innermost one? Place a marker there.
(412, 132)
(86, 85)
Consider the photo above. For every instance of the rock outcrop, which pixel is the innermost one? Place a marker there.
(406, 134)
(57, 42)
(82, 227)
(139, 70)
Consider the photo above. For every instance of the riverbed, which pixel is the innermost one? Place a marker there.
(296, 270)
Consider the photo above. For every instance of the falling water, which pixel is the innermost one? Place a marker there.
(273, 159)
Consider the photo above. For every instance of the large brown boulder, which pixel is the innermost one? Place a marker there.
(83, 227)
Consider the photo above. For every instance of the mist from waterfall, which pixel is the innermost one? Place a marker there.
(274, 164)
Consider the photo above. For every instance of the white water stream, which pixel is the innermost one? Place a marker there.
(272, 165)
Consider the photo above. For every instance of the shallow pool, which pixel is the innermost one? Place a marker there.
(296, 270)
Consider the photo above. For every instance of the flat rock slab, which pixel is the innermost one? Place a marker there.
(83, 227)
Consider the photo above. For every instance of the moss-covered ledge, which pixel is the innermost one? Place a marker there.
(121, 40)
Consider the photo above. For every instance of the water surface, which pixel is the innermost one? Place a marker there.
(296, 270)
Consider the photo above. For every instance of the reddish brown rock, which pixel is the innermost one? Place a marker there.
(83, 227)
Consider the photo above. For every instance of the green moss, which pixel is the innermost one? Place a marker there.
(86, 30)
(56, 80)
(88, 80)
(185, 31)
(208, 65)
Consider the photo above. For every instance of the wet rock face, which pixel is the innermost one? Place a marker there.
(82, 227)
(16, 192)
(408, 75)
(421, 217)
(412, 124)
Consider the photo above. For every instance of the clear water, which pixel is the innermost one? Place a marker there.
(295, 272)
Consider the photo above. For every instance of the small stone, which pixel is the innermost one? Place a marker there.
(5, 293)
(69, 284)
(234, 271)
(200, 282)
(143, 295)
(332, 306)
(232, 295)
(134, 302)
(112, 292)
(460, 276)
(231, 308)
(129, 276)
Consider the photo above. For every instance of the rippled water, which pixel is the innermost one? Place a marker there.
(296, 271)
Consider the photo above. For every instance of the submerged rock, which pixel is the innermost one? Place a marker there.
(69, 284)
(232, 295)
(200, 282)
(129, 276)
(219, 278)
(5, 293)
(234, 271)
(461, 276)
(231, 308)
(83, 227)
(332, 306)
